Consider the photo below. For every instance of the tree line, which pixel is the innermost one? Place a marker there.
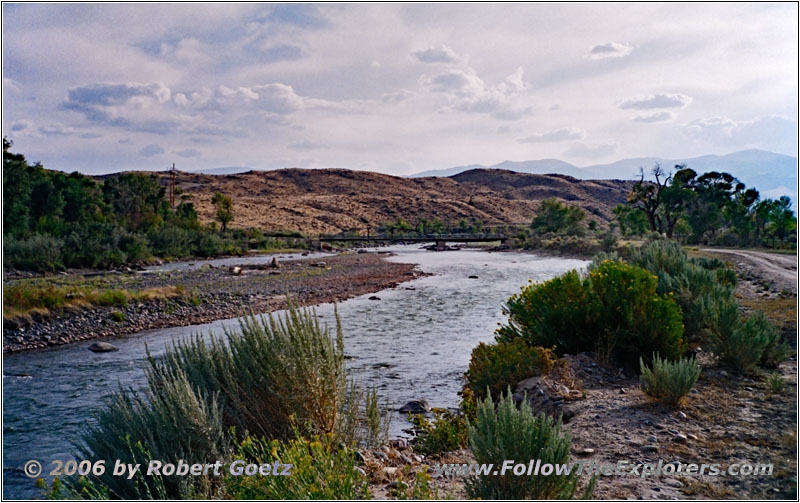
(712, 208)
(53, 220)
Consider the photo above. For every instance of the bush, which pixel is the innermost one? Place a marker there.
(698, 285)
(509, 433)
(171, 241)
(615, 309)
(275, 374)
(498, 366)
(741, 345)
(170, 421)
(37, 253)
(319, 471)
(669, 382)
(279, 378)
(447, 432)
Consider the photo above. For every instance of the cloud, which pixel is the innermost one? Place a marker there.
(21, 125)
(610, 50)
(655, 101)
(583, 150)
(434, 55)
(116, 94)
(654, 117)
(562, 134)
(469, 93)
(11, 86)
(300, 15)
(283, 52)
(189, 152)
(396, 97)
(151, 150)
(56, 130)
(306, 146)
(768, 132)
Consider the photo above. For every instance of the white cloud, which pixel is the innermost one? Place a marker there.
(469, 93)
(661, 116)
(396, 97)
(655, 101)
(610, 50)
(770, 131)
(440, 54)
(562, 134)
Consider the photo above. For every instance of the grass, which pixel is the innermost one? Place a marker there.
(782, 312)
(39, 298)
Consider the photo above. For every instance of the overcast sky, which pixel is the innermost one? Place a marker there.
(394, 88)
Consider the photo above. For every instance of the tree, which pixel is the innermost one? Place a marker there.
(224, 206)
(675, 197)
(559, 218)
(782, 218)
(631, 222)
(646, 195)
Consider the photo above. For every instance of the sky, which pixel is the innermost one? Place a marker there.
(394, 88)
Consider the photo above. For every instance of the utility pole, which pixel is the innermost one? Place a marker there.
(172, 175)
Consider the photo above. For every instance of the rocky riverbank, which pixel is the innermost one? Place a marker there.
(207, 294)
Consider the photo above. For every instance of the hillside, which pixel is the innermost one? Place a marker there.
(332, 200)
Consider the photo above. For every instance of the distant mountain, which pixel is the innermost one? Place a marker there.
(772, 174)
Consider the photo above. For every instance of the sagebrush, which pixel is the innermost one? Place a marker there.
(669, 382)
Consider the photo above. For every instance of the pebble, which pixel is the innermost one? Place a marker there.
(680, 438)
(652, 438)
(682, 415)
(584, 451)
(692, 436)
(649, 448)
(673, 483)
(622, 391)
(694, 391)
(361, 471)
(723, 373)
(389, 470)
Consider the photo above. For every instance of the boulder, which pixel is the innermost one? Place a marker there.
(102, 347)
(415, 407)
(274, 263)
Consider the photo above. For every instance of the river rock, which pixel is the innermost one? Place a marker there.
(415, 407)
(473, 277)
(544, 397)
(374, 297)
(102, 347)
(236, 271)
(274, 263)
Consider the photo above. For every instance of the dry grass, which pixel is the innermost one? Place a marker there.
(780, 311)
(38, 299)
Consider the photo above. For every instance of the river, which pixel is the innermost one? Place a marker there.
(415, 342)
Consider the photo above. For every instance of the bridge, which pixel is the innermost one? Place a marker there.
(503, 234)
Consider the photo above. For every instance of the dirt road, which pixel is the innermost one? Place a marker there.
(776, 268)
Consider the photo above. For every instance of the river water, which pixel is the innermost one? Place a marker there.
(415, 342)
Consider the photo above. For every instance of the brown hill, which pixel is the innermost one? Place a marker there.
(334, 200)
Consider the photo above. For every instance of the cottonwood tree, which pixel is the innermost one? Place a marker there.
(224, 206)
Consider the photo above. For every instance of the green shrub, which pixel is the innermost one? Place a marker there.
(776, 383)
(170, 421)
(118, 316)
(36, 253)
(615, 309)
(319, 470)
(498, 366)
(278, 378)
(508, 433)
(741, 345)
(277, 373)
(447, 432)
(697, 285)
(669, 382)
